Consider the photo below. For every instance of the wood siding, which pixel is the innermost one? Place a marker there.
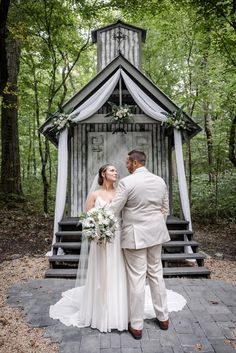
(93, 145)
(108, 47)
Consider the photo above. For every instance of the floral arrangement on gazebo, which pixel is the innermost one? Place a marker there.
(61, 120)
(120, 114)
(176, 120)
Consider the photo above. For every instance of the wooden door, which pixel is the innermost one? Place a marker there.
(104, 147)
(93, 145)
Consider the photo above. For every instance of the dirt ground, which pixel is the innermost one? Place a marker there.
(217, 239)
(23, 232)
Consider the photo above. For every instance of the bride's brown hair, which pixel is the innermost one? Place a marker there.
(101, 171)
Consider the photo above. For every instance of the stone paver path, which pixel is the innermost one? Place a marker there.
(207, 323)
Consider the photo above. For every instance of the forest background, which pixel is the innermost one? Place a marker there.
(46, 55)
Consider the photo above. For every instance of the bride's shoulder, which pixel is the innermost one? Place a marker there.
(91, 199)
(96, 193)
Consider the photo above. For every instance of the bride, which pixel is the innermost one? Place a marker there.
(102, 302)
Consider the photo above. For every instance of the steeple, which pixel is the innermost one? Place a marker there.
(118, 38)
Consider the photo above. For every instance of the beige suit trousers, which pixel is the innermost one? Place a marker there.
(139, 264)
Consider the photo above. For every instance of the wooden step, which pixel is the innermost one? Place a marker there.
(171, 244)
(73, 260)
(180, 257)
(64, 261)
(61, 273)
(186, 271)
(67, 245)
(168, 272)
(179, 243)
(177, 234)
(70, 246)
(68, 232)
(71, 235)
(64, 258)
(164, 257)
(174, 223)
(70, 224)
(180, 231)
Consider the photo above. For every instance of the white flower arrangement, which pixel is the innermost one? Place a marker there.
(61, 121)
(176, 120)
(99, 224)
(120, 114)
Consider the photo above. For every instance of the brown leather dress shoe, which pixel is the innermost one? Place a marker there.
(163, 324)
(137, 334)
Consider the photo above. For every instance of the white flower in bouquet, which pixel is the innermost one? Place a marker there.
(99, 224)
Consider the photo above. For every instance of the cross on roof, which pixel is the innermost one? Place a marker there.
(119, 36)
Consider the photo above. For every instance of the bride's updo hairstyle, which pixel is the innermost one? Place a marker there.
(101, 171)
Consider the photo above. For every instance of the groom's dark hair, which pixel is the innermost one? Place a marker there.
(138, 155)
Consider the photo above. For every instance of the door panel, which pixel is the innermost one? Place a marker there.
(110, 148)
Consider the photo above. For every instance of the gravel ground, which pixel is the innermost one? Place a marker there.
(17, 337)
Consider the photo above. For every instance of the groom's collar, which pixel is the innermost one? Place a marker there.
(140, 170)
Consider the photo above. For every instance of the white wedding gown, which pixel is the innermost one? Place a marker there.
(102, 302)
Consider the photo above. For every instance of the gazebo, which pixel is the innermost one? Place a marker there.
(94, 137)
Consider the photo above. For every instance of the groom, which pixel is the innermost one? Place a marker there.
(143, 199)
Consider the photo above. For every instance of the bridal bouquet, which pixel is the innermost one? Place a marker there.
(99, 224)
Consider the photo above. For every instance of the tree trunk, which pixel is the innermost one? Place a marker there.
(43, 153)
(10, 163)
(28, 168)
(207, 127)
(4, 7)
(44, 177)
(232, 134)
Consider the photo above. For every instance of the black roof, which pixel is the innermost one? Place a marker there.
(119, 23)
(137, 76)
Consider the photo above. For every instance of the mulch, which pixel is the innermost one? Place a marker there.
(23, 232)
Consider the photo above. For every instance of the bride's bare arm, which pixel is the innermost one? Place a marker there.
(90, 202)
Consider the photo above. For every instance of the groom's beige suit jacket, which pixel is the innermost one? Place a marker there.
(142, 197)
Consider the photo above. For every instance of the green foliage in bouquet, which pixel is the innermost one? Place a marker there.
(99, 224)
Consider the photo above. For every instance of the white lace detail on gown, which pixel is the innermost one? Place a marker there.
(103, 303)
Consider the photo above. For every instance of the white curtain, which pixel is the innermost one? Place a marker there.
(91, 106)
(143, 100)
(62, 167)
(183, 188)
(96, 101)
